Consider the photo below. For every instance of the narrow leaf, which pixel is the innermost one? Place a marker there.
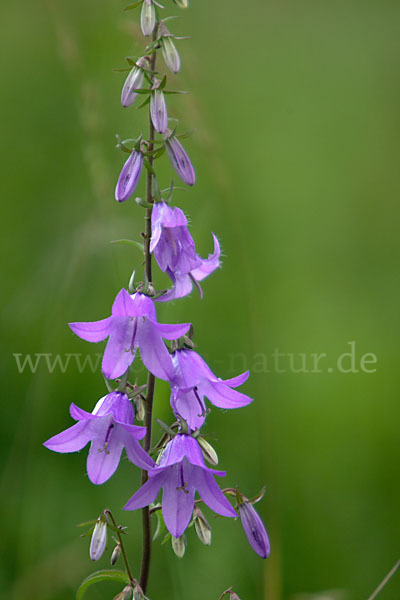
(128, 243)
(134, 5)
(98, 577)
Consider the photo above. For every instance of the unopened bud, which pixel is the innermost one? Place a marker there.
(180, 160)
(233, 596)
(158, 111)
(99, 540)
(148, 17)
(133, 82)
(116, 553)
(179, 545)
(129, 177)
(138, 593)
(254, 529)
(202, 527)
(170, 54)
(140, 408)
(182, 3)
(126, 594)
(208, 451)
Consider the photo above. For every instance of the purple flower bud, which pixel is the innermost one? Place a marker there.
(170, 54)
(148, 17)
(180, 160)
(129, 176)
(254, 529)
(99, 540)
(133, 82)
(158, 111)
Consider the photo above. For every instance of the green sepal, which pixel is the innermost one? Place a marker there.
(147, 101)
(122, 70)
(98, 577)
(175, 92)
(159, 152)
(128, 243)
(149, 167)
(134, 5)
(163, 82)
(182, 136)
(166, 428)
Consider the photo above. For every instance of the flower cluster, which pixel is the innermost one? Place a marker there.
(177, 464)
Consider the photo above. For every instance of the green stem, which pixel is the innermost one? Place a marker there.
(121, 543)
(146, 524)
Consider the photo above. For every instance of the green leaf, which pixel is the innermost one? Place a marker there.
(128, 243)
(134, 5)
(147, 101)
(98, 577)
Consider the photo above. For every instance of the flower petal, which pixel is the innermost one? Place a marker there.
(72, 439)
(182, 286)
(177, 500)
(147, 493)
(212, 495)
(208, 264)
(254, 529)
(221, 395)
(153, 351)
(171, 332)
(79, 414)
(104, 454)
(238, 380)
(92, 331)
(120, 350)
(136, 454)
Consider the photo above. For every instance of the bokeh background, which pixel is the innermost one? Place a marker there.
(295, 107)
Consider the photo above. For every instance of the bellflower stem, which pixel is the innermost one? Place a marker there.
(146, 524)
(121, 543)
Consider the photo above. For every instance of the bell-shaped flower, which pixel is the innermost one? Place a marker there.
(179, 159)
(193, 381)
(181, 472)
(158, 110)
(133, 82)
(148, 17)
(129, 176)
(175, 251)
(133, 324)
(109, 428)
(254, 529)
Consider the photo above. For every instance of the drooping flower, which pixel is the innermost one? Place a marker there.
(193, 381)
(180, 473)
(129, 176)
(158, 110)
(133, 82)
(254, 529)
(133, 324)
(175, 251)
(147, 17)
(109, 428)
(179, 159)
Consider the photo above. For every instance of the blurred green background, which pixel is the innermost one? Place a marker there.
(296, 148)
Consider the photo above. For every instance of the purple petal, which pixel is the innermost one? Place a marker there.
(177, 500)
(222, 396)
(105, 452)
(238, 380)
(147, 493)
(189, 405)
(212, 495)
(92, 331)
(121, 347)
(254, 529)
(137, 305)
(171, 332)
(180, 160)
(153, 351)
(72, 439)
(79, 414)
(129, 177)
(182, 286)
(191, 367)
(208, 264)
(137, 455)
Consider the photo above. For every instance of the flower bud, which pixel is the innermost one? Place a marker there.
(202, 526)
(158, 111)
(182, 3)
(116, 553)
(170, 54)
(99, 540)
(129, 177)
(208, 451)
(254, 529)
(180, 160)
(233, 596)
(179, 545)
(126, 594)
(133, 82)
(148, 17)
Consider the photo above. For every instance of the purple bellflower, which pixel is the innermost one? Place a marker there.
(193, 380)
(180, 473)
(254, 529)
(133, 324)
(133, 82)
(109, 428)
(129, 176)
(179, 159)
(175, 252)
